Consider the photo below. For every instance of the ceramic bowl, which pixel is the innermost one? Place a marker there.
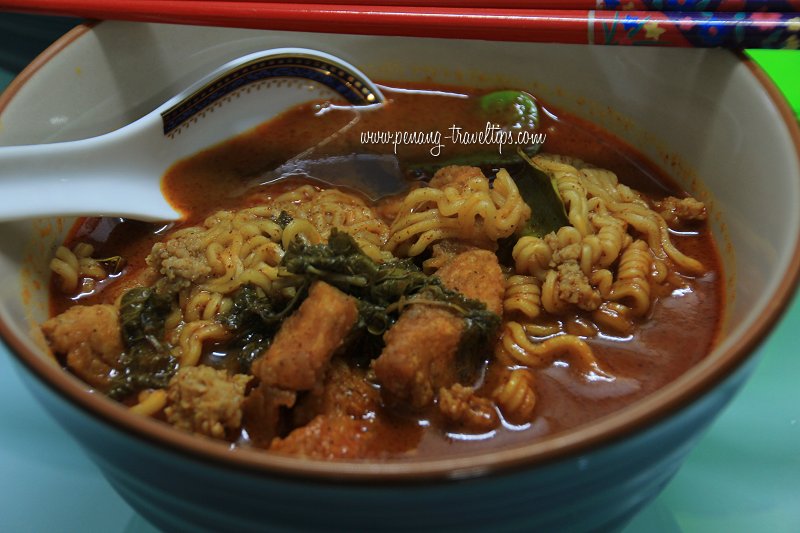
(708, 117)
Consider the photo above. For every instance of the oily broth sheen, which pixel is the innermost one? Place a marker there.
(226, 176)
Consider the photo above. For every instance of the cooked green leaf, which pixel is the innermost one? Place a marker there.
(251, 307)
(255, 318)
(248, 346)
(283, 219)
(146, 362)
(143, 367)
(540, 193)
(142, 314)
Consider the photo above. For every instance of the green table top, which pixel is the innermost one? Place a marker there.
(783, 66)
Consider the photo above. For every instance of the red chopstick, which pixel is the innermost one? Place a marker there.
(776, 6)
(644, 28)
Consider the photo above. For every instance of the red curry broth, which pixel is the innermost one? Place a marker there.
(225, 176)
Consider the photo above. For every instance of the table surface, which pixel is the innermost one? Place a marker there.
(744, 476)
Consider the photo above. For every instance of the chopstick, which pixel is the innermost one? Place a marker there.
(637, 28)
(776, 6)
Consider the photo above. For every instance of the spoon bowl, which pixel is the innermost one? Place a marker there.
(119, 173)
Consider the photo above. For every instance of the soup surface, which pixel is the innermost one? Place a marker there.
(478, 309)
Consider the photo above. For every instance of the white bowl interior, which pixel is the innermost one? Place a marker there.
(700, 114)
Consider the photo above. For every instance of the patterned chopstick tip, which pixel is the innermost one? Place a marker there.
(695, 29)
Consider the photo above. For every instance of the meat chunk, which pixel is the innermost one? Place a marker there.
(298, 357)
(455, 176)
(420, 353)
(470, 412)
(344, 420)
(419, 356)
(328, 437)
(443, 252)
(476, 274)
(338, 436)
(344, 391)
(181, 257)
(207, 401)
(89, 337)
(263, 413)
(574, 287)
(678, 210)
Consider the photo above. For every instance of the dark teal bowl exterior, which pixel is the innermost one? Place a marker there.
(23, 37)
(597, 491)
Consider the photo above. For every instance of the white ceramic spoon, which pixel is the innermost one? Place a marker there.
(119, 173)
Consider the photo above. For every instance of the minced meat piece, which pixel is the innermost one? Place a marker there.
(470, 412)
(678, 210)
(455, 176)
(570, 252)
(574, 287)
(207, 401)
(299, 355)
(181, 258)
(89, 337)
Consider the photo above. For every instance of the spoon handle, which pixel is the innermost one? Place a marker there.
(53, 179)
(119, 173)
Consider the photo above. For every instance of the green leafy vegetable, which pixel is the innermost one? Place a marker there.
(341, 263)
(382, 290)
(547, 209)
(255, 318)
(541, 195)
(113, 264)
(283, 219)
(142, 368)
(248, 346)
(142, 314)
(146, 362)
(250, 307)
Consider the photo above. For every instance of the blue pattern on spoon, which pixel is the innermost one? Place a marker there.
(343, 79)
